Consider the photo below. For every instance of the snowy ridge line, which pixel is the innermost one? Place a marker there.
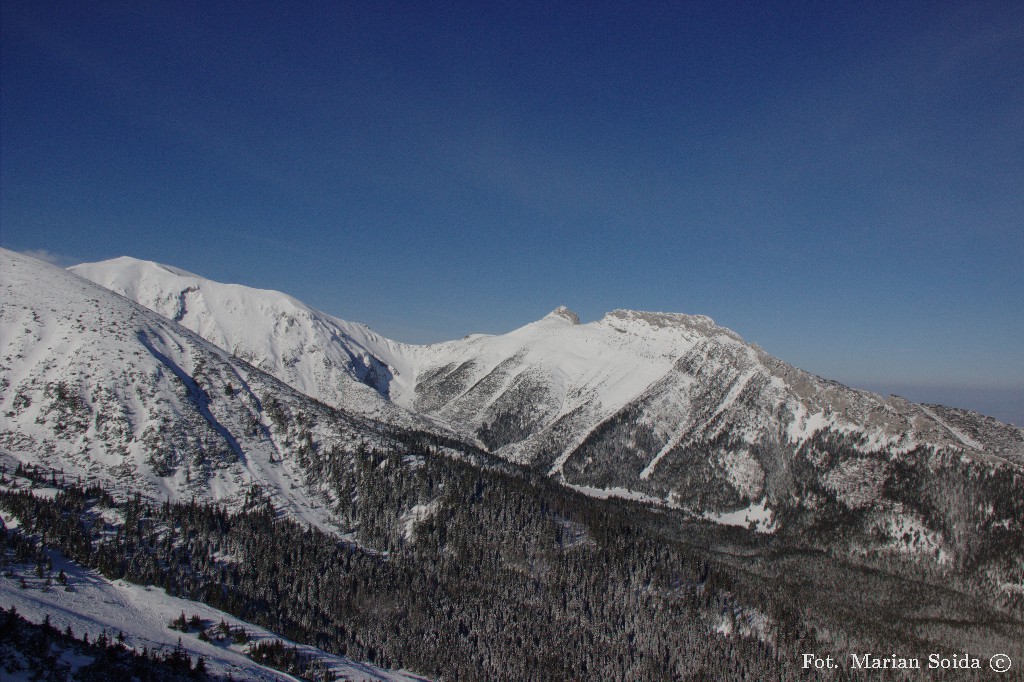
(544, 388)
(103, 388)
(342, 364)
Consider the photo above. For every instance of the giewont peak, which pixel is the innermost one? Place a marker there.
(561, 312)
(659, 320)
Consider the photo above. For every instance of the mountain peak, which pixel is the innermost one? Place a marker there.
(128, 264)
(561, 312)
(659, 320)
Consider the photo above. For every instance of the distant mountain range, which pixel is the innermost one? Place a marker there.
(168, 391)
(616, 406)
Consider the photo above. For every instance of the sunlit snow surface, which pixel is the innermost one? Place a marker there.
(618, 493)
(756, 516)
(337, 362)
(98, 386)
(689, 378)
(95, 605)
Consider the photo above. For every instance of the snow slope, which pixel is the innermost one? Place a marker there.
(94, 605)
(549, 382)
(339, 363)
(100, 387)
(621, 402)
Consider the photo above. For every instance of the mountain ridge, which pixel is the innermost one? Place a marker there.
(665, 409)
(579, 372)
(100, 387)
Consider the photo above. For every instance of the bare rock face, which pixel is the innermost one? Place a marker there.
(563, 312)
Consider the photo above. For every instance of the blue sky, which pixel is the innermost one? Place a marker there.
(843, 185)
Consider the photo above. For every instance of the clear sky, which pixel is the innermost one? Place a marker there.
(843, 185)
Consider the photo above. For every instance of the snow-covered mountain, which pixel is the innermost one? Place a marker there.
(97, 386)
(539, 392)
(337, 362)
(661, 405)
(172, 386)
(675, 410)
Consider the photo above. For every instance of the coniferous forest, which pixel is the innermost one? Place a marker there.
(459, 572)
